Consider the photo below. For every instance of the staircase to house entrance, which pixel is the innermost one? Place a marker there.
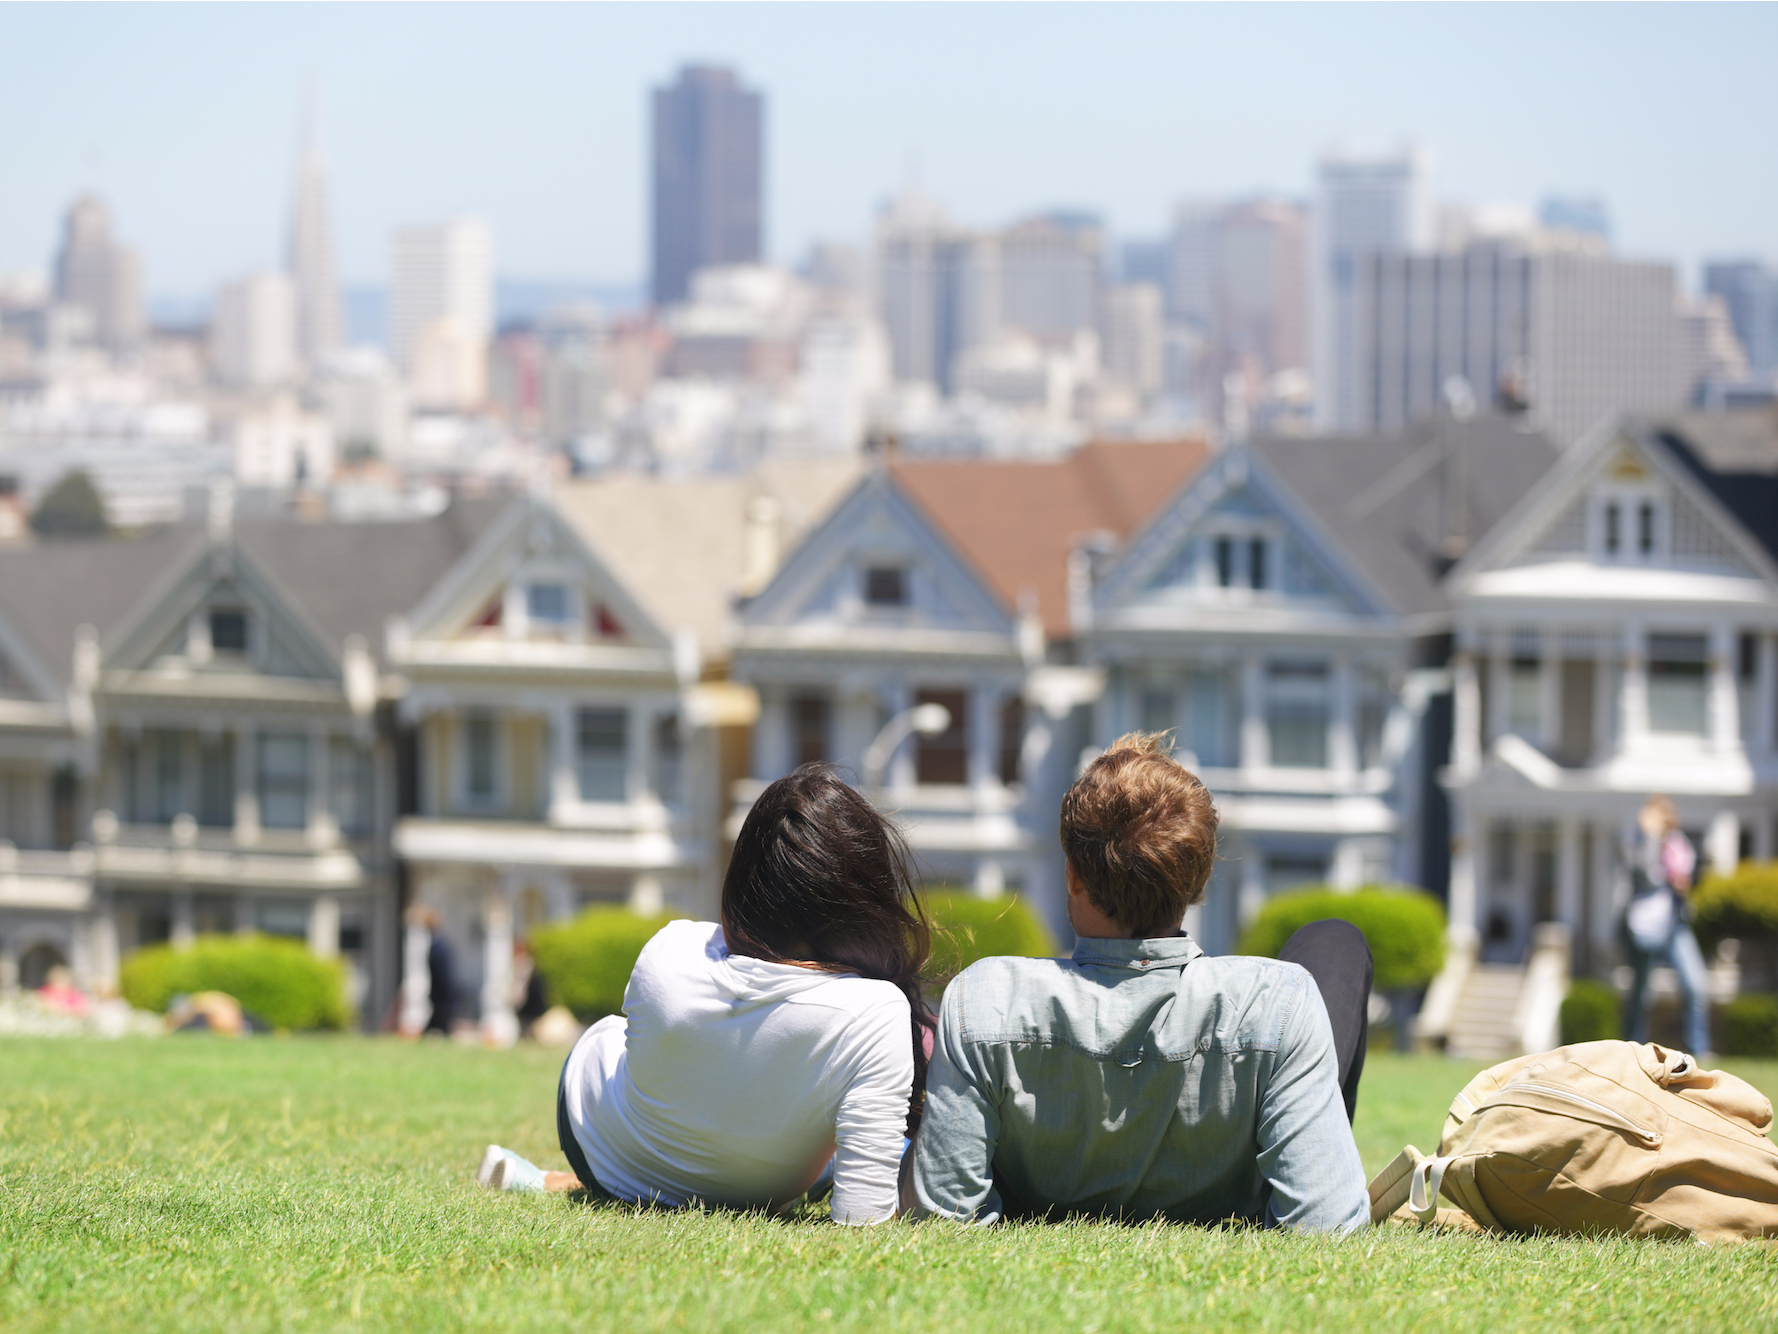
(1482, 1024)
(1489, 1011)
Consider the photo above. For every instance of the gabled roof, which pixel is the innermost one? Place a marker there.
(1735, 456)
(1393, 504)
(1017, 523)
(680, 545)
(346, 578)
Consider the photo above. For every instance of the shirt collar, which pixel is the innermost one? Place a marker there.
(1155, 950)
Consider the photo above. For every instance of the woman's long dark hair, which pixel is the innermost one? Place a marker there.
(819, 876)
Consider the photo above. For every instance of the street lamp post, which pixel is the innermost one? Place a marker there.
(926, 719)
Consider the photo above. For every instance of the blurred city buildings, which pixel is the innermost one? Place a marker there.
(1435, 532)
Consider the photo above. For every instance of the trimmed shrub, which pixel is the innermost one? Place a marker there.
(274, 978)
(1405, 928)
(966, 928)
(586, 962)
(1737, 906)
(1591, 1012)
(1750, 1026)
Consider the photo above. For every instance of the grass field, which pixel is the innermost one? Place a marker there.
(196, 1184)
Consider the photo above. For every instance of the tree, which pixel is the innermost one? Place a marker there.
(73, 507)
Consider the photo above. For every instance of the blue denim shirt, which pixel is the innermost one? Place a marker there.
(1139, 1079)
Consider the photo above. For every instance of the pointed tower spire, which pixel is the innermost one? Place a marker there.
(320, 321)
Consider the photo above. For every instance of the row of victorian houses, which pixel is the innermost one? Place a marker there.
(1452, 658)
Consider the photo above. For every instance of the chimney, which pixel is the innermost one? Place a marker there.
(759, 543)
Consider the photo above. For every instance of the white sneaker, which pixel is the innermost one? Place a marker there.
(490, 1175)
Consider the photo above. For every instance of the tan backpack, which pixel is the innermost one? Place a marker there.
(1597, 1137)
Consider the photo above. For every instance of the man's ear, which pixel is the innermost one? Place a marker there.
(1071, 877)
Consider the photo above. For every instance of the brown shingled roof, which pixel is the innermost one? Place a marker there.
(1017, 523)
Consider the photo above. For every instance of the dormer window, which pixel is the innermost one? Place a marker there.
(1613, 527)
(228, 630)
(1630, 524)
(886, 586)
(547, 605)
(1225, 562)
(1241, 560)
(1256, 563)
(1645, 528)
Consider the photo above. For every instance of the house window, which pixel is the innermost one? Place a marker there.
(282, 917)
(1645, 528)
(228, 630)
(1225, 562)
(1524, 704)
(283, 780)
(811, 720)
(170, 795)
(1256, 563)
(603, 754)
(1678, 697)
(1747, 659)
(1012, 739)
(1209, 722)
(1291, 869)
(944, 758)
(1296, 714)
(1613, 521)
(348, 786)
(481, 769)
(546, 605)
(216, 782)
(886, 586)
(1157, 709)
(667, 757)
(1373, 714)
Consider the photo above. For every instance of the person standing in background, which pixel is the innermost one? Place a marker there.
(442, 973)
(1656, 925)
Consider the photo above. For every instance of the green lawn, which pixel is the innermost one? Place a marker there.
(192, 1184)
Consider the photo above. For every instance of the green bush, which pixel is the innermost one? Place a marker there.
(1738, 906)
(966, 928)
(1405, 928)
(1750, 1026)
(586, 962)
(1591, 1012)
(276, 979)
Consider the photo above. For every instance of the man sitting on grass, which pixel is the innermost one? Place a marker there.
(1142, 1078)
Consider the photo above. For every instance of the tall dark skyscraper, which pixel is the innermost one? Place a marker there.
(708, 188)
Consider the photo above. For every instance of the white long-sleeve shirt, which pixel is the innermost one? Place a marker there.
(733, 1080)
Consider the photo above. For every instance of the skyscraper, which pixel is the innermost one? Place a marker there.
(441, 310)
(708, 169)
(253, 331)
(1363, 206)
(320, 323)
(1750, 290)
(95, 274)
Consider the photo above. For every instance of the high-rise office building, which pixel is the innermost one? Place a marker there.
(708, 196)
(100, 277)
(937, 289)
(1052, 270)
(320, 320)
(253, 329)
(441, 310)
(1134, 336)
(1750, 291)
(1363, 206)
(1568, 337)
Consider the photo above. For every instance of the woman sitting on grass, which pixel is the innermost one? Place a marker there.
(758, 1051)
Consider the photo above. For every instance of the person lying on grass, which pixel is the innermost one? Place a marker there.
(1142, 1078)
(759, 1053)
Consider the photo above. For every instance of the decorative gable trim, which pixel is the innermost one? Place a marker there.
(845, 534)
(1553, 519)
(1160, 545)
(527, 528)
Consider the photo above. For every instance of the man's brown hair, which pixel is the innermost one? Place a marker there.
(1140, 831)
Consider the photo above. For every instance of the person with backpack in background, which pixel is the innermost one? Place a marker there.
(1656, 925)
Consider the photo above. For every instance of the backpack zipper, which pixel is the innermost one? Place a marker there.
(1610, 1115)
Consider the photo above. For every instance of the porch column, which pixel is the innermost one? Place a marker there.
(1633, 702)
(1569, 874)
(1549, 653)
(638, 742)
(897, 698)
(1765, 688)
(1342, 748)
(500, 1026)
(564, 790)
(184, 929)
(104, 956)
(1605, 888)
(646, 896)
(246, 788)
(1723, 843)
(984, 719)
(324, 927)
(1500, 682)
(1255, 745)
(1466, 741)
(323, 830)
(1725, 696)
(416, 976)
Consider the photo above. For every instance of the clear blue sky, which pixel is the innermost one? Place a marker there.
(534, 116)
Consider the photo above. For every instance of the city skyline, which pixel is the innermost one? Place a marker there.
(990, 139)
